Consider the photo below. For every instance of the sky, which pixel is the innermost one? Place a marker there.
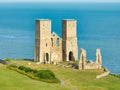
(103, 1)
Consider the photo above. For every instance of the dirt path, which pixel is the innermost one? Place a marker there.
(63, 83)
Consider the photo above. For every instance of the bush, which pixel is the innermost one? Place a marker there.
(21, 67)
(35, 71)
(115, 75)
(45, 74)
(28, 70)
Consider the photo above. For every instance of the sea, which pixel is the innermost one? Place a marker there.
(98, 26)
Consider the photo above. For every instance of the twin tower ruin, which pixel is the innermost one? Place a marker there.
(49, 47)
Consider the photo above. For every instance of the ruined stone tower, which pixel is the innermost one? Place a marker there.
(42, 40)
(69, 40)
(49, 47)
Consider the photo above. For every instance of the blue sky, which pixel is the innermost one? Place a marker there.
(110, 1)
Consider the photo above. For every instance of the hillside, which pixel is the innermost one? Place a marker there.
(71, 79)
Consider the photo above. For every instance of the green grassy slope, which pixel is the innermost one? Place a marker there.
(72, 79)
(11, 80)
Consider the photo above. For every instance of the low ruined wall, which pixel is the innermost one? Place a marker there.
(93, 66)
(103, 75)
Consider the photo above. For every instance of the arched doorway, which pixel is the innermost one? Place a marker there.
(71, 58)
(47, 57)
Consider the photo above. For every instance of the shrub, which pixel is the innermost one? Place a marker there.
(45, 74)
(115, 75)
(21, 67)
(35, 71)
(28, 69)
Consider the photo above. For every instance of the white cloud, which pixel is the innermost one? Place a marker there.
(59, 0)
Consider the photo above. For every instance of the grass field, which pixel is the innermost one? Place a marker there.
(72, 79)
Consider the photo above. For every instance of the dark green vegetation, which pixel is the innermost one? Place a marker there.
(72, 79)
(43, 75)
(115, 75)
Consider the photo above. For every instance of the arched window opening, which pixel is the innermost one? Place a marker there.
(52, 41)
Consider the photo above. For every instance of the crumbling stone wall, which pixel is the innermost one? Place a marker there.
(56, 48)
(89, 64)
